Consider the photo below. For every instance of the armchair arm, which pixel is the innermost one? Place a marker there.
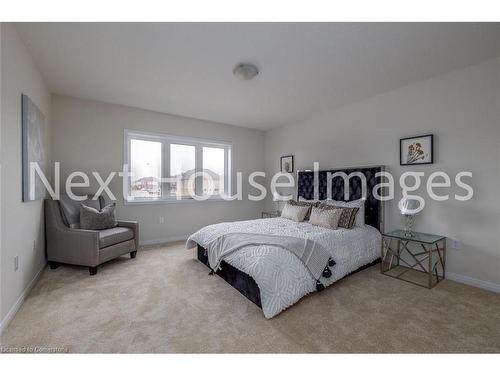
(66, 245)
(134, 225)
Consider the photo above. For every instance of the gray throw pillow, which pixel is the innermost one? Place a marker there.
(304, 203)
(71, 209)
(348, 216)
(360, 204)
(93, 219)
(295, 213)
(325, 218)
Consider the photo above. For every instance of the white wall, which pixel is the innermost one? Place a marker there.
(21, 223)
(462, 109)
(88, 136)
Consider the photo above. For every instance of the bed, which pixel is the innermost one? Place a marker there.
(274, 279)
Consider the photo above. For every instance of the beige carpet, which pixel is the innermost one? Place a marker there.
(164, 301)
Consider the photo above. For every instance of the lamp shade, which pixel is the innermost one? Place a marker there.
(409, 206)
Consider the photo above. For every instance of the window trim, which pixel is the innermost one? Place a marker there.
(167, 139)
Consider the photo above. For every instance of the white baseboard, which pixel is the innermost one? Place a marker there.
(13, 310)
(160, 241)
(473, 282)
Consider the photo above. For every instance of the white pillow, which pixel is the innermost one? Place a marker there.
(295, 213)
(325, 218)
(360, 216)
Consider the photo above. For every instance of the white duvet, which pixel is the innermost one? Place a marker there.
(281, 277)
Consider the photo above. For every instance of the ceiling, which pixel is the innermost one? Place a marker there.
(305, 68)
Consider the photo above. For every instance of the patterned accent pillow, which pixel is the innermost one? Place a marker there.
(294, 212)
(360, 203)
(309, 204)
(93, 219)
(328, 218)
(348, 216)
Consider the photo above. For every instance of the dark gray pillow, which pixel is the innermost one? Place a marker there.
(71, 209)
(90, 218)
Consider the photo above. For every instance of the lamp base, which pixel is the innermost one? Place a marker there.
(409, 226)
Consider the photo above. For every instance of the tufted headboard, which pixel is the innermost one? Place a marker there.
(373, 207)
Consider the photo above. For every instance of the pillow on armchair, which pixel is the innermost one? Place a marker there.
(91, 218)
(70, 209)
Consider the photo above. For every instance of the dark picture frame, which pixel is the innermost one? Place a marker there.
(417, 150)
(286, 164)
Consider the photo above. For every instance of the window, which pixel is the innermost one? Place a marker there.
(171, 168)
(182, 166)
(213, 166)
(145, 165)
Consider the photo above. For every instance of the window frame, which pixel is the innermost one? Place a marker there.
(166, 140)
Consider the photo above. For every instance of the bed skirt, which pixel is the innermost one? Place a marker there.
(239, 280)
(244, 283)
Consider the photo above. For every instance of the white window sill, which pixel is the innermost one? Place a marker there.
(140, 201)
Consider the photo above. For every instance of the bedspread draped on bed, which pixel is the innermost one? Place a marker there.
(281, 277)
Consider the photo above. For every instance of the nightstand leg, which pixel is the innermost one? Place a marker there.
(429, 251)
(399, 250)
(384, 253)
(444, 259)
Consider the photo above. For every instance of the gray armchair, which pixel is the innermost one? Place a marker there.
(90, 248)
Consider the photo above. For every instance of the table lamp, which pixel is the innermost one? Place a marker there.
(407, 206)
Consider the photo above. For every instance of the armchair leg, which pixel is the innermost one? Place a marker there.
(133, 254)
(92, 270)
(53, 265)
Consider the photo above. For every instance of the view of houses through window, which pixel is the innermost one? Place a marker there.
(153, 156)
(145, 165)
(182, 164)
(213, 164)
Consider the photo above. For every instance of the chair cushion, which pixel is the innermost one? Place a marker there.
(112, 236)
(70, 209)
